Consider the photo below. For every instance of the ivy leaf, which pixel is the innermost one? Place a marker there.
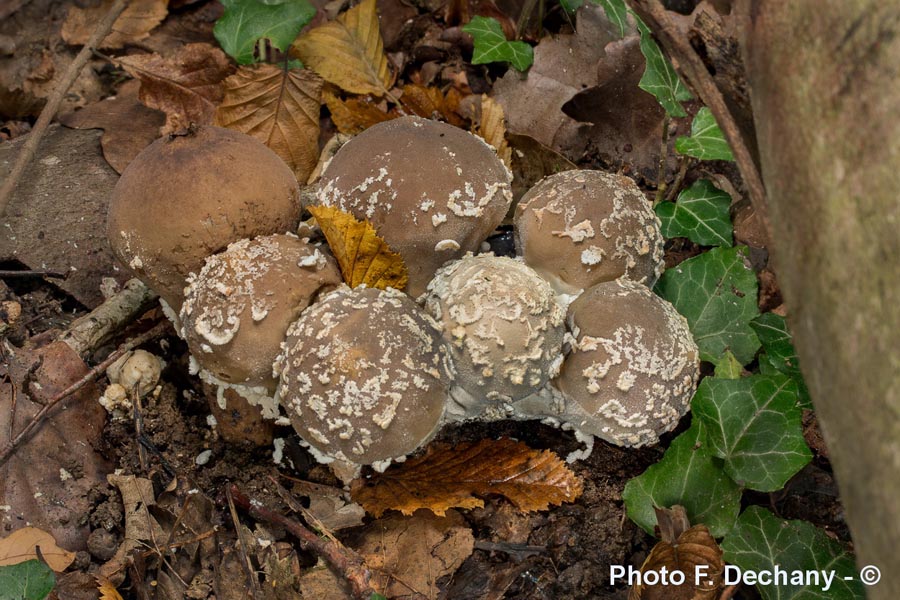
(616, 12)
(760, 541)
(659, 77)
(753, 424)
(728, 367)
(570, 6)
(29, 580)
(701, 214)
(780, 355)
(716, 293)
(690, 475)
(245, 22)
(707, 141)
(492, 46)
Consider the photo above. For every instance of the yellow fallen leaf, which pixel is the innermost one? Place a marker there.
(492, 128)
(451, 476)
(354, 115)
(107, 590)
(19, 546)
(348, 51)
(134, 24)
(278, 107)
(363, 256)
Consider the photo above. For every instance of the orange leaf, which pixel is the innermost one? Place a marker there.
(19, 546)
(492, 128)
(363, 256)
(451, 476)
(354, 115)
(278, 107)
(133, 25)
(430, 103)
(107, 590)
(348, 51)
(187, 85)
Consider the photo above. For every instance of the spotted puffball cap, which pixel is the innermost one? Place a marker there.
(364, 375)
(634, 364)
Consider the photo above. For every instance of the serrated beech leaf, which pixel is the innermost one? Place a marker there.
(458, 476)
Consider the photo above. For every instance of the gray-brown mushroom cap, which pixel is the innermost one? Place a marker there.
(238, 308)
(580, 228)
(186, 197)
(634, 365)
(364, 375)
(504, 327)
(432, 191)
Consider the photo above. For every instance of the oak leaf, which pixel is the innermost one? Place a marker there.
(187, 86)
(278, 107)
(492, 128)
(348, 52)
(452, 476)
(19, 546)
(363, 256)
(354, 115)
(134, 24)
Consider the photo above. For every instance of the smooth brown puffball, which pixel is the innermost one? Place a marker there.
(580, 228)
(634, 365)
(238, 308)
(432, 191)
(364, 375)
(186, 197)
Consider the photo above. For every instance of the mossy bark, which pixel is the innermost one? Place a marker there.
(825, 88)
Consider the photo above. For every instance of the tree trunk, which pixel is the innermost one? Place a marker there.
(825, 87)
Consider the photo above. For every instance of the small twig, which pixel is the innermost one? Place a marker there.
(253, 582)
(342, 560)
(6, 274)
(53, 102)
(158, 330)
(663, 157)
(686, 163)
(688, 63)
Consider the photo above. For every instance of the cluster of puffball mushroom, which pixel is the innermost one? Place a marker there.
(567, 331)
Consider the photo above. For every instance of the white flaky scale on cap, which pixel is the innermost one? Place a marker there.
(633, 368)
(364, 376)
(432, 191)
(580, 228)
(505, 331)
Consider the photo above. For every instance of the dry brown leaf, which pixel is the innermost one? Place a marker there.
(133, 25)
(354, 115)
(451, 476)
(531, 162)
(363, 256)
(348, 51)
(128, 126)
(20, 545)
(107, 590)
(278, 107)
(430, 103)
(187, 86)
(492, 128)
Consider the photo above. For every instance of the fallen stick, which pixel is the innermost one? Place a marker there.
(50, 109)
(158, 330)
(342, 560)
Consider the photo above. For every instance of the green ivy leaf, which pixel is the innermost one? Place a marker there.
(616, 12)
(728, 367)
(706, 141)
(754, 424)
(780, 356)
(760, 540)
(245, 22)
(701, 214)
(492, 46)
(716, 293)
(570, 6)
(691, 476)
(29, 580)
(659, 76)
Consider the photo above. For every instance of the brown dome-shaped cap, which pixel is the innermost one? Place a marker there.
(237, 310)
(364, 375)
(633, 367)
(504, 327)
(580, 228)
(432, 191)
(186, 197)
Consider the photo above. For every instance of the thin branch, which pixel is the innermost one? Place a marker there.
(53, 102)
(158, 330)
(663, 157)
(686, 163)
(5, 274)
(689, 64)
